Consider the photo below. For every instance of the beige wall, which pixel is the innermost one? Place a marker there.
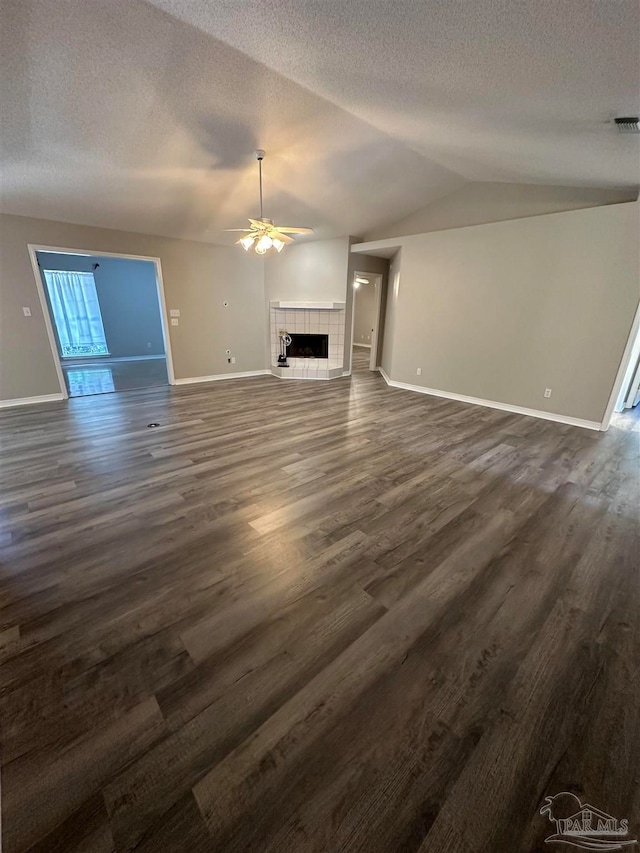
(309, 271)
(502, 311)
(198, 278)
(480, 202)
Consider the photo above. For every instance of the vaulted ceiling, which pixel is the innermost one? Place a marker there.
(143, 116)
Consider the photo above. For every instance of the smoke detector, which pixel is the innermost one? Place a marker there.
(628, 124)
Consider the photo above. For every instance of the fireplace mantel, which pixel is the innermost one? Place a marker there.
(313, 306)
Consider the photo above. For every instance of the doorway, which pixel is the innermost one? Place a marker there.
(106, 320)
(365, 323)
(625, 394)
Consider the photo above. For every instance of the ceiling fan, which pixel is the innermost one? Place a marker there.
(263, 234)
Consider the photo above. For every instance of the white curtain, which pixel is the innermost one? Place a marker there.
(76, 311)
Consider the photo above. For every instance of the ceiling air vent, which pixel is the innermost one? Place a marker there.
(628, 124)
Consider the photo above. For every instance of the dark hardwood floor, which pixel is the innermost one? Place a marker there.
(312, 616)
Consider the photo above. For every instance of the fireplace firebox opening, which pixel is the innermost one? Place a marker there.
(308, 346)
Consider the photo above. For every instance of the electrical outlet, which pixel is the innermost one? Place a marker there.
(26, 312)
(175, 321)
(547, 392)
(419, 371)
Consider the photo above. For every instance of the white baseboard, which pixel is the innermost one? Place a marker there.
(286, 378)
(364, 346)
(31, 401)
(491, 404)
(193, 380)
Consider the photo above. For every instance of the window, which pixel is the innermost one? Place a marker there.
(76, 312)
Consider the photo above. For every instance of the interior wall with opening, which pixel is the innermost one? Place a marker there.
(198, 279)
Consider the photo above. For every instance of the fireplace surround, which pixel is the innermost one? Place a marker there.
(317, 331)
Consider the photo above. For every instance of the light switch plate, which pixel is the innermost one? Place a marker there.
(174, 312)
(26, 312)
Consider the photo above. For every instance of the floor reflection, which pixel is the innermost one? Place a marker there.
(90, 380)
(84, 379)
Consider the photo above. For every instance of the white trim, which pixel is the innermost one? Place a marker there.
(331, 306)
(375, 335)
(491, 404)
(164, 314)
(93, 360)
(633, 393)
(47, 322)
(89, 253)
(364, 346)
(193, 380)
(623, 367)
(288, 378)
(32, 401)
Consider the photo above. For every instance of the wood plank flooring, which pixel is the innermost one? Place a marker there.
(312, 616)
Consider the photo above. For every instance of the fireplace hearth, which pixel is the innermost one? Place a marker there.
(308, 346)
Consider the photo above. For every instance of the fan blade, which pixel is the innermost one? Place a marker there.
(286, 230)
(275, 234)
(256, 223)
(225, 230)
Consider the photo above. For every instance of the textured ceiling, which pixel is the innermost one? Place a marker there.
(143, 116)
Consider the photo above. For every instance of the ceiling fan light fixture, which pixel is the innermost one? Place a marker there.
(264, 234)
(264, 244)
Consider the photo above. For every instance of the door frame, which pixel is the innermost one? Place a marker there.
(376, 329)
(624, 367)
(33, 248)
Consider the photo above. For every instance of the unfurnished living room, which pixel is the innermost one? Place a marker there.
(319, 426)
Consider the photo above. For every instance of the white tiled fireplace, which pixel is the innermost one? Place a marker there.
(308, 318)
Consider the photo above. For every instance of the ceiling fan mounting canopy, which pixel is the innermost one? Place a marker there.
(263, 233)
